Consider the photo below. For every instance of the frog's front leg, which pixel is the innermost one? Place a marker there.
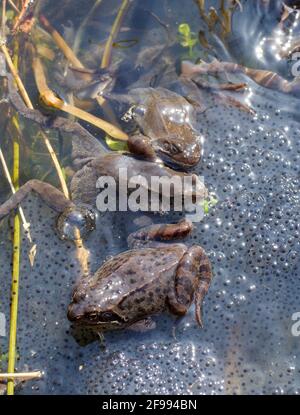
(141, 145)
(192, 281)
(53, 197)
(154, 234)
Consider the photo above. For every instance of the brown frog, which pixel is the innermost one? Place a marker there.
(151, 277)
(167, 123)
(166, 120)
(92, 161)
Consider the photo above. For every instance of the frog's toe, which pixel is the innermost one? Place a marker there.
(198, 313)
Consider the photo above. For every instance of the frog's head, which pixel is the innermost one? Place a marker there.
(176, 153)
(87, 310)
(93, 317)
(169, 124)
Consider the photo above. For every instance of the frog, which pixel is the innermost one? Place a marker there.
(91, 160)
(166, 126)
(155, 275)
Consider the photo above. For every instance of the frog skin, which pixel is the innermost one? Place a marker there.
(167, 125)
(92, 161)
(151, 277)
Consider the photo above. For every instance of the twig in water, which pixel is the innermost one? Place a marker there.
(76, 63)
(60, 42)
(21, 375)
(3, 18)
(114, 30)
(25, 224)
(14, 6)
(28, 102)
(79, 32)
(52, 100)
(27, 6)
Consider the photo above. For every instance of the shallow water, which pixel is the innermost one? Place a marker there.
(252, 237)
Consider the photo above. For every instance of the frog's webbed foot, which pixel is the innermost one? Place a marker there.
(53, 197)
(267, 79)
(221, 97)
(227, 86)
(228, 100)
(192, 281)
(153, 234)
(71, 219)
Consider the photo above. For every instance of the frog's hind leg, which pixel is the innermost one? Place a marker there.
(154, 235)
(53, 197)
(192, 280)
(223, 99)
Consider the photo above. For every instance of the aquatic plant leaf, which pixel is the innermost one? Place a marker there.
(187, 39)
(184, 29)
(115, 144)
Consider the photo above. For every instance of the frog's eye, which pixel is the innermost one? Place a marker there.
(171, 148)
(139, 111)
(109, 316)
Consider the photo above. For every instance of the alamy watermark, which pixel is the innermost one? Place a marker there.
(295, 69)
(2, 325)
(177, 193)
(295, 329)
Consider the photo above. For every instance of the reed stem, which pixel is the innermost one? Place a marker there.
(52, 100)
(114, 31)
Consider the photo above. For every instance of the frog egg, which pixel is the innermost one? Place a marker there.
(75, 222)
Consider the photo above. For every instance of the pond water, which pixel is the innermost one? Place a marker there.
(252, 235)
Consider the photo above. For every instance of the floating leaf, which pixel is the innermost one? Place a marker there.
(116, 145)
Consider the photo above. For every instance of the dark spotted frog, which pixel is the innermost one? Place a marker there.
(166, 121)
(151, 277)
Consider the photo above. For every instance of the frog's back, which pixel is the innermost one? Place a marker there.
(168, 115)
(138, 280)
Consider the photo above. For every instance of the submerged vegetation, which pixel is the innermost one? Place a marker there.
(187, 38)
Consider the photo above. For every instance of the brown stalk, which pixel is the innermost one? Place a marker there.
(52, 100)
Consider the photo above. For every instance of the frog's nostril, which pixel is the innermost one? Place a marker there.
(72, 313)
(79, 295)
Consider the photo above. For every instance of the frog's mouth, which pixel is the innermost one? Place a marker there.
(176, 159)
(94, 317)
